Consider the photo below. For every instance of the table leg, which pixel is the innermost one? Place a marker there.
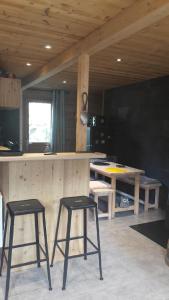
(157, 190)
(96, 177)
(136, 194)
(110, 214)
(146, 200)
(113, 186)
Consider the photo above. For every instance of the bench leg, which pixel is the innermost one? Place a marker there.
(96, 199)
(113, 186)
(146, 201)
(157, 190)
(136, 194)
(110, 206)
(113, 204)
(95, 175)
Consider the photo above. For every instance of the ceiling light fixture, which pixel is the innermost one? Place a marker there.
(118, 59)
(64, 81)
(48, 46)
(28, 64)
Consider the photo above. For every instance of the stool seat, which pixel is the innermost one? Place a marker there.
(79, 202)
(24, 207)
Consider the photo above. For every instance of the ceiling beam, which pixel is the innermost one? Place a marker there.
(131, 20)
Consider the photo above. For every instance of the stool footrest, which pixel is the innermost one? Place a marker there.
(25, 245)
(72, 238)
(21, 245)
(27, 263)
(77, 255)
(82, 255)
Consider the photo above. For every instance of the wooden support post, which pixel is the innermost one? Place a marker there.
(82, 86)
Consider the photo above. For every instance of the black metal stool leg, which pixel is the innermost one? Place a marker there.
(37, 239)
(56, 234)
(85, 232)
(9, 258)
(4, 242)
(46, 250)
(98, 242)
(67, 249)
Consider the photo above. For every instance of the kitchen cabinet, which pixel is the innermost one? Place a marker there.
(10, 92)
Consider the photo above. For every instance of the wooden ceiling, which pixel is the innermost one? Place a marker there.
(144, 56)
(26, 26)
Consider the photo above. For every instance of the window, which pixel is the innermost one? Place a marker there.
(40, 129)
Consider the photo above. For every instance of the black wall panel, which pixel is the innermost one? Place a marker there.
(139, 117)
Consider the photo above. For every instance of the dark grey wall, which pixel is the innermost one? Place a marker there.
(9, 124)
(139, 116)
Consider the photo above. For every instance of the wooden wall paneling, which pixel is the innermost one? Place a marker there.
(10, 90)
(41, 180)
(4, 180)
(47, 181)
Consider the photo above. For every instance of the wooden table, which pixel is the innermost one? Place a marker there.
(128, 172)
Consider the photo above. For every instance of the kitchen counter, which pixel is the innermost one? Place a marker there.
(47, 178)
(62, 155)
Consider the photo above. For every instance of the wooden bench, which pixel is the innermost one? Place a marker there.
(99, 188)
(147, 184)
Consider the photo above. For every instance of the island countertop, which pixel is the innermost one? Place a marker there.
(47, 178)
(57, 156)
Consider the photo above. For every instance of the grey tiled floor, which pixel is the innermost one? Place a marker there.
(133, 266)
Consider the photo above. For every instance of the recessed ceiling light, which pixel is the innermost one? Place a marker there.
(64, 81)
(28, 64)
(118, 59)
(48, 46)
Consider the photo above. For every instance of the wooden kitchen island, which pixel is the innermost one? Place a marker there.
(47, 178)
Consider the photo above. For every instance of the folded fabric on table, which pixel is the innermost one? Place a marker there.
(99, 184)
(115, 170)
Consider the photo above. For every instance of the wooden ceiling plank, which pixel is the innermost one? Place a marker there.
(95, 12)
(40, 31)
(133, 19)
(31, 15)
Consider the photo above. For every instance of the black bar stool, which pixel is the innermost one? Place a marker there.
(77, 203)
(19, 208)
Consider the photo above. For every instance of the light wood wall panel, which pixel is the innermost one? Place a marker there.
(10, 92)
(47, 181)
